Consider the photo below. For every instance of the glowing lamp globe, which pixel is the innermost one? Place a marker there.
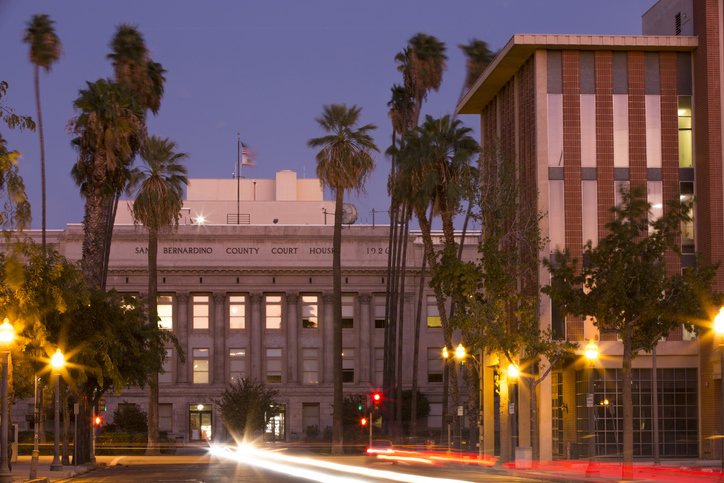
(58, 360)
(7, 333)
(591, 351)
(718, 322)
(444, 352)
(460, 352)
(513, 371)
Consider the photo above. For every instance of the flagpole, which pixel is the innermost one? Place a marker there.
(238, 174)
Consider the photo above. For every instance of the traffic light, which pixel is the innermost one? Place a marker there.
(98, 420)
(363, 421)
(376, 397)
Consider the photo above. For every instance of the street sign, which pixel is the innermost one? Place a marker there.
(589, 400)
(460, 410)
(511, 408)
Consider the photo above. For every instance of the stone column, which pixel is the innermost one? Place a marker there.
(182, 332)
(219, 336)
(326, 355)
(364, 337)
(255, 329)
(292, 339)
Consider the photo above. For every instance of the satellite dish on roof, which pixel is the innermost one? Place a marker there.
(349, 214)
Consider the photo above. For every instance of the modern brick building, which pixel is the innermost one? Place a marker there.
(582, 115)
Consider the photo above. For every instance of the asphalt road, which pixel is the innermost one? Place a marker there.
(215, 471)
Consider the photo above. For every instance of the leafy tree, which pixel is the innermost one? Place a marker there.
(110, 130)
(129, 418)
(626, 287)
(344, 163)
(7, 113)
(246, 407)
(422, 407)
(15, 212)
(159, 199)
(45, 50)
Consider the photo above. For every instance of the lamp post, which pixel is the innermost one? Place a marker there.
(460, 354)
(7, 334)
(591, 355)
(513, 373)
(719, 328)
(57, 361)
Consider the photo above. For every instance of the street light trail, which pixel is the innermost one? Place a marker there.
(258, 456)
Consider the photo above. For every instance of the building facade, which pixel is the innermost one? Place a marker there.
(583, 115)
(254, 299)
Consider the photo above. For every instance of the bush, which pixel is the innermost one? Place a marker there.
(120, 443)
(129, 418)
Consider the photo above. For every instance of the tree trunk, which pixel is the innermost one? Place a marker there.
(338, 411)
(153, 440)
(401, 324)
(65, 459)
(389, 343)
(42, 148)
(94, 225)
(533, 384)
(416, 351)
(83, 437)
(627, 401)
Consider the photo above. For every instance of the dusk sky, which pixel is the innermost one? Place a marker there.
(264, 69)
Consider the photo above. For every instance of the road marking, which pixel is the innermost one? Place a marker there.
(115, 461)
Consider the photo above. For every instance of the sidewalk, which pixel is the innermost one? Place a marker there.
(21, 470)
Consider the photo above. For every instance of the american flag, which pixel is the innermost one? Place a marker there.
(247, 157)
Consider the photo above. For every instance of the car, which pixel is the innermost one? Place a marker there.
(380, 450)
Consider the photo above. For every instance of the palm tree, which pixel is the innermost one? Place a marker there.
(422, 63)
(435, 166)
(344, 163)
(45, 50)
(157, 206)
(132, 66)
(479, 57)
(110, 130)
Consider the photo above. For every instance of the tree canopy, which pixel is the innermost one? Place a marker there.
(246, 407)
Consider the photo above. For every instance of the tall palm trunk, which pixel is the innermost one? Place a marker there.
(388, 376)
(153, 441)
(42, 147)
(401, 324)
(338, 412)
(94, 222)
(416, 351)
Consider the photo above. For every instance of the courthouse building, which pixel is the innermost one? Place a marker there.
(245, 284)
(583, 115)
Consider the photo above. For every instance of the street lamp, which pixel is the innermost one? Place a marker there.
(591, 352)
(460, 354)
(57, 361)
(7, 334)
(719, 328)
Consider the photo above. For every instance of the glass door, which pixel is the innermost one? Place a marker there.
(200, 422)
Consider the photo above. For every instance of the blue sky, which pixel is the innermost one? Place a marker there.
(264, 69)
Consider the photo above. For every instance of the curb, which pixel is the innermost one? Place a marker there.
(38, 480)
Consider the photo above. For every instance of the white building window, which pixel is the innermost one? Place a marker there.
(435, 364)
(237, 312)
(555, 130)
(620, 130)
(653, 131)
(434, 418)
(165, 312)
(433, 314)
(589, 198)
(556, 218)
(348, 365)
(200, 310)
(379, 365)
(310, 366)
(201, 366)
(588, 130)
(166, 377)
(165, 417)
(310, 415)
(310, 311)
(380, 311)
(347, 311)
(273, 306)
(237, 365)
(274, 366)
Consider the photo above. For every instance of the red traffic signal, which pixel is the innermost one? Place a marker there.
(376, 397)
(98, 420)
(363, 421)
